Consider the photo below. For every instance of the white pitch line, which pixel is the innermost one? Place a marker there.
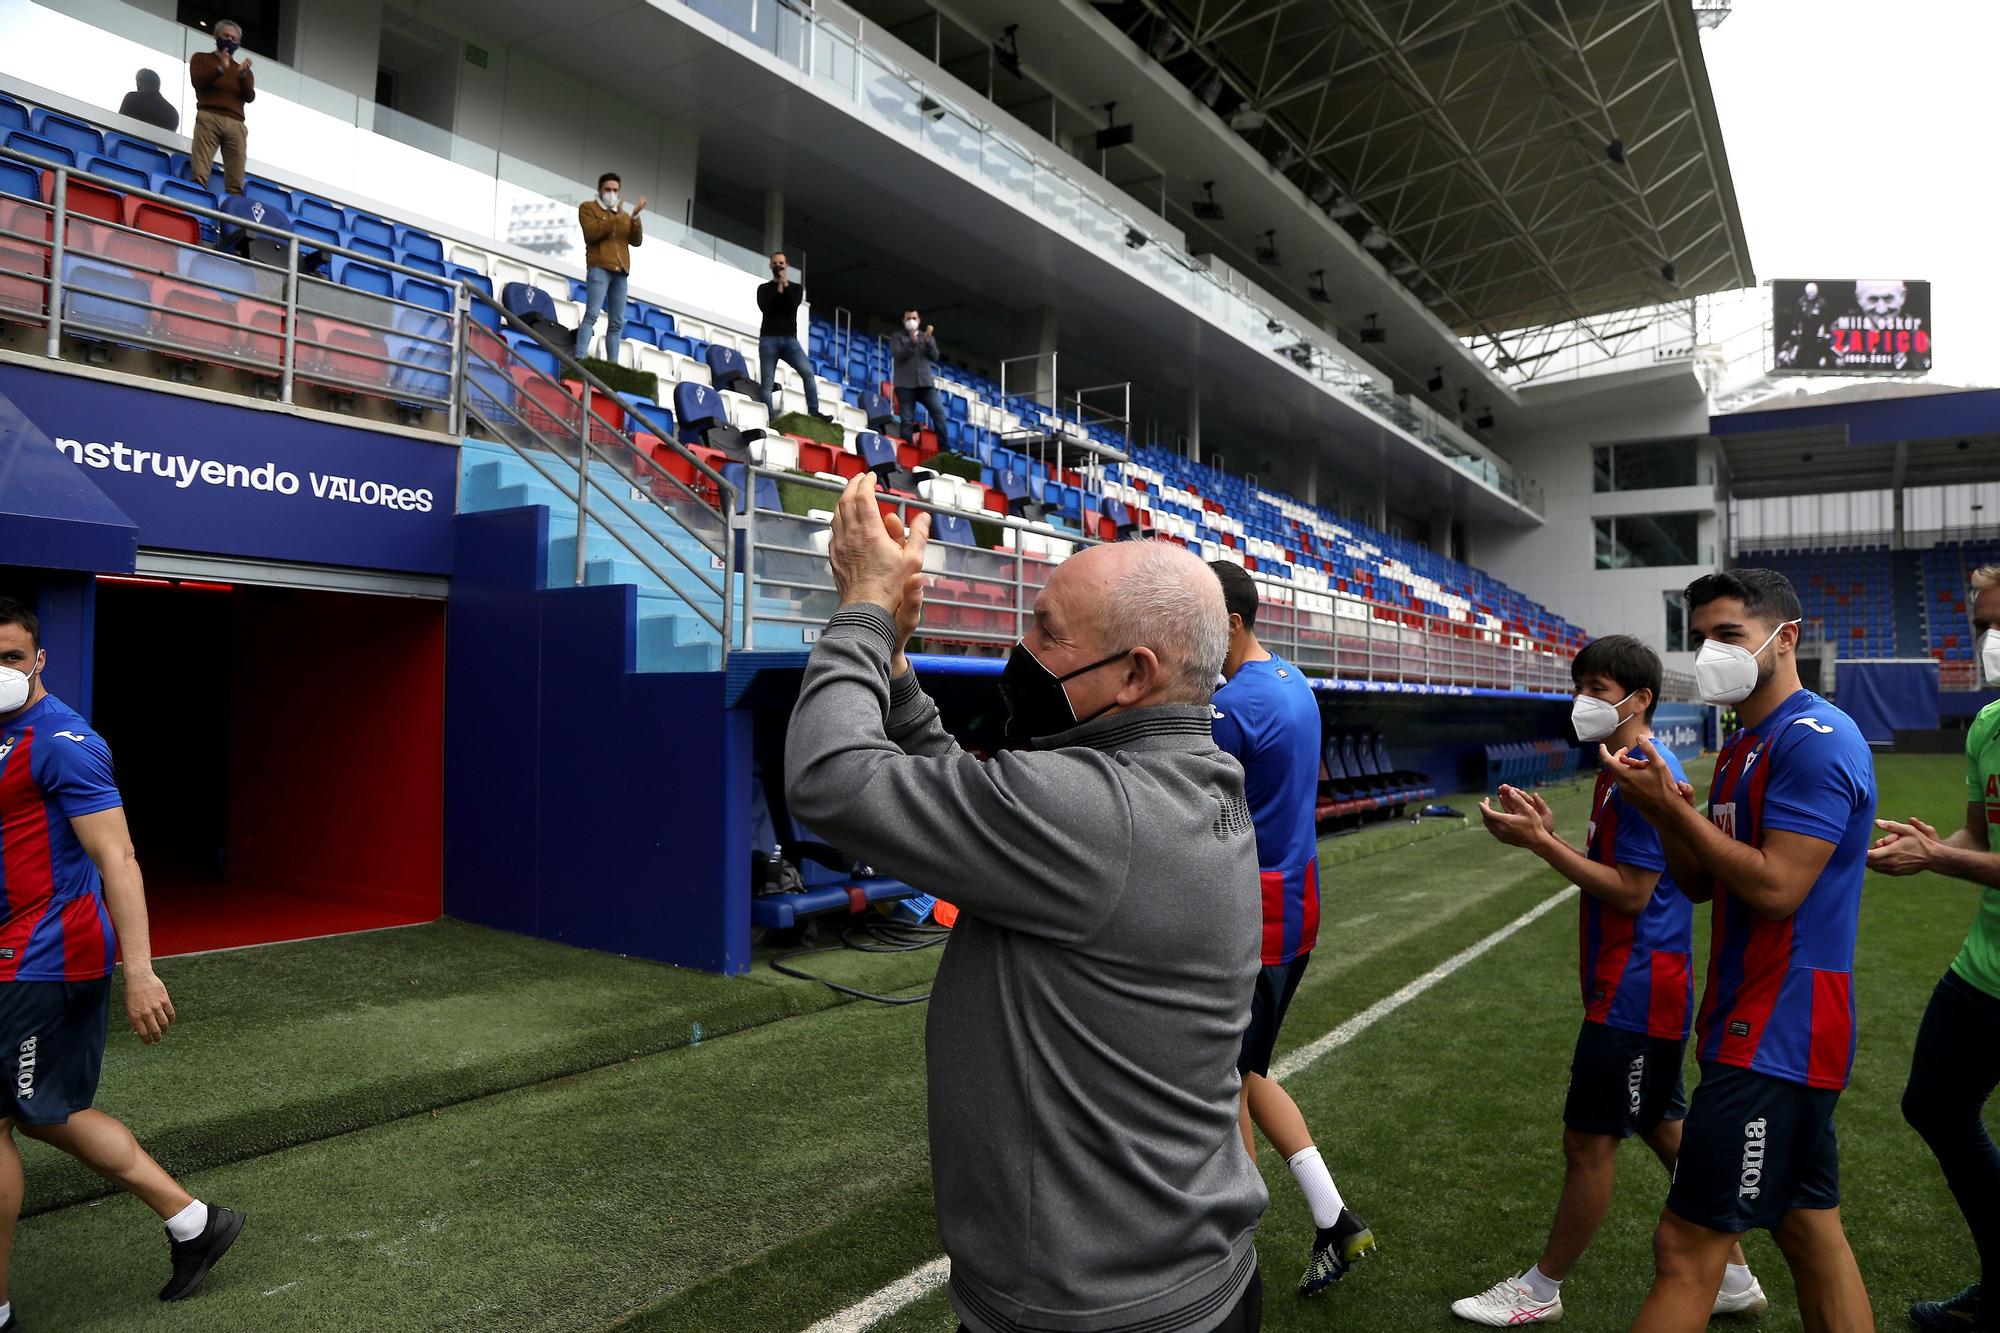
(919, 1283)
(1304, 1056)
(906, 1290)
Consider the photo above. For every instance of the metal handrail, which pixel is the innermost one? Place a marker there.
(1435, 650)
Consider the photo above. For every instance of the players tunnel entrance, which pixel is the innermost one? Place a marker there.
(280, 752)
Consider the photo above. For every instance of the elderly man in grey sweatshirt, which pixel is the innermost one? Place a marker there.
(1088, 1011)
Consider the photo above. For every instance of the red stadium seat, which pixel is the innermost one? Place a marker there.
(160, 220)
(21, 291)
(195, 318)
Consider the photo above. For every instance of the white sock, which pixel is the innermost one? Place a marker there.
(6, 1311)
(1317, 1183)
(1540, 1285)
(189, 1222)
(1736, 1278)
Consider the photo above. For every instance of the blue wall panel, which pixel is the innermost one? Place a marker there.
(585, 802)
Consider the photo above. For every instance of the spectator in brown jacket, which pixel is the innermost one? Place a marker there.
(222, 84)
(609, 233)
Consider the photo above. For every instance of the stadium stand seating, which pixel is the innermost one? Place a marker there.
(371, 327)
(1533, 763)
(1852, 593)
(1357, 779)
(1847, 593)
(1947, 576)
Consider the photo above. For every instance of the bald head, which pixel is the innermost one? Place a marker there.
(1146, 594)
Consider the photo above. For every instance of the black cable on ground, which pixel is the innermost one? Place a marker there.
(875, 935)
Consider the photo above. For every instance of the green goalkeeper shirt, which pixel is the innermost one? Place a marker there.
(1979, 961)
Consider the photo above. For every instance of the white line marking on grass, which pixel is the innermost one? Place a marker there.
(1305, 1055)
(919, 1283)
(287, 1287)
(906, 1290)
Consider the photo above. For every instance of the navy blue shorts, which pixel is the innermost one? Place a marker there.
(1276, 984)
(1754, 1148)
(51, 1047)
(1623, 1083)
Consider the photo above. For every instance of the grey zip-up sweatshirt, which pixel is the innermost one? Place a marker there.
(1088, 1012)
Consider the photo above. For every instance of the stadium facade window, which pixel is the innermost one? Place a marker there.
(1643, 465)
(258, 19)
(1642, 541)
(1677, 628)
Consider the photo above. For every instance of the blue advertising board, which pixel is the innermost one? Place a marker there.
(217, 479)
(1686, 729)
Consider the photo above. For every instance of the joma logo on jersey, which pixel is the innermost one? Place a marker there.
(24, 1070)
(6, 747)
(1751, 1183)
(1723, 815)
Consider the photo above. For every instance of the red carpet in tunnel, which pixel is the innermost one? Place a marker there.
(191, 914)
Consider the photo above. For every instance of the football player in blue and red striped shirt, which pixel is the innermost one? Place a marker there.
(1635, 931)
(1266, 715)
(1782, 854)
(68, 877)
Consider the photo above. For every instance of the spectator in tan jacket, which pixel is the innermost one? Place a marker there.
(222, 83)
(609, 233)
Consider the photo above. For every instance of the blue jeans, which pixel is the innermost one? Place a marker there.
(773, 349)
(605, 291)
(907, 402)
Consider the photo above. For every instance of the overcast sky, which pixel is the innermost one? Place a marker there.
(1862, 140)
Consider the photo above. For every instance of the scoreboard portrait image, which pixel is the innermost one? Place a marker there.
(1851, 326)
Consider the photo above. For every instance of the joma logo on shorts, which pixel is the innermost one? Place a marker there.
(1752, 1181)
(1635, 1079)
(24, 1070)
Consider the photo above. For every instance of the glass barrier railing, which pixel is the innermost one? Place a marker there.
(353, 145)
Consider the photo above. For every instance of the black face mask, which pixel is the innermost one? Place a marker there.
(1036, 704)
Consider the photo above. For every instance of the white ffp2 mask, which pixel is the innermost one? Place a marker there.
(1989, 656)
(1727, 674)
(1593, 718)
(14, 689)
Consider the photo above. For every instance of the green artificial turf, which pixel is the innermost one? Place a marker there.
(287, 1044)
(768, 1179)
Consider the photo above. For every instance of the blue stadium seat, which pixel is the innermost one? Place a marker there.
(697, 407)
(268, 192)
(649, 415)
(526, 301)
(113, 170)
(953, 528)
(360, 245)
(878, 409)
(80, 138)
(45, 150)
(728, 370)
(20, 179)
(418, 243)
(422, 265)
(362, 276)
(215, 270)
(101, 297)
(471, 277)
(148, 157)
(876, 452)
(367, 227)
(13, 116)
(308, 207)
(535, 356)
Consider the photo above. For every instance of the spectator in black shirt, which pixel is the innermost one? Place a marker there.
(778, 335)
(145, 103)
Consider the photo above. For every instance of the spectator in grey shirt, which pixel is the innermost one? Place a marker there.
(1088, 1011)
(914, 351)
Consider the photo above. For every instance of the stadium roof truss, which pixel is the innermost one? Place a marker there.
(1470, 143)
